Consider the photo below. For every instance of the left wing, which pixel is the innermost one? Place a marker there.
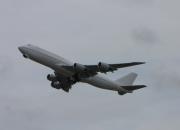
(90, 70)
(104, 67)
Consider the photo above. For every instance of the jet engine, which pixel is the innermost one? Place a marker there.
(56, 84)
(103, 67)
(79, 67)
(51, 77)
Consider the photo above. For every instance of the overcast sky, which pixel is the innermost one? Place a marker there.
(89, 31)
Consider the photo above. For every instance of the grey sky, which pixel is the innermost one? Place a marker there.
(89, 31)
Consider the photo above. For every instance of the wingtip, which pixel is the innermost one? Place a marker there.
(140, 63)
(140, 86)
(143, 86)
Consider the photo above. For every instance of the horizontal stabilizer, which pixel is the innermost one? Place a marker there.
(126, 84)
(133, 87)
(130, 89)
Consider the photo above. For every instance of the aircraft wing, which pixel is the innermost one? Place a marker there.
(91, 70)
(104, 68)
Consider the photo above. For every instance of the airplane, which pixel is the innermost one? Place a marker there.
(67, 73)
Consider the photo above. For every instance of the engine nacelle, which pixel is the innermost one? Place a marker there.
(51, 77)
(103, 67)
(79, 67)
(56, 84)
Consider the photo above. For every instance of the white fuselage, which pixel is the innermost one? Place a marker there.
(56, 62)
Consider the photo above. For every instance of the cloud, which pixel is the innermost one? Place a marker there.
(132, 2)
(167, 75)
(145, 36)
(5, 66)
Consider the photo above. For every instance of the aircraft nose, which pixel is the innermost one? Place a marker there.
(20, 49)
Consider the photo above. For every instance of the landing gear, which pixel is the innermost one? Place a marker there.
(61, 82)
(121, 93)
(56, 85)
(76, 77)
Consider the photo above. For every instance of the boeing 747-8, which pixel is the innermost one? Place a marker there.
(67, 73)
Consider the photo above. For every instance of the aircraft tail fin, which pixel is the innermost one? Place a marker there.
(127, 80)
(126, 84)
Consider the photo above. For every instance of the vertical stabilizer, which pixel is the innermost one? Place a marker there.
(127, 80)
